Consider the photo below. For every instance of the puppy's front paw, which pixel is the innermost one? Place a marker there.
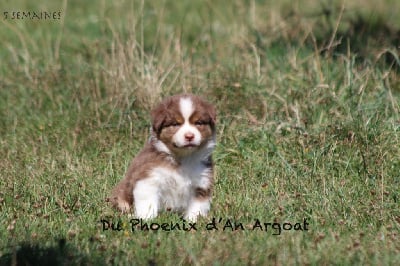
(146, 200)
(197, 208)
(146, 210)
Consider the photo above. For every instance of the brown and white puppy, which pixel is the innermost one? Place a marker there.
(174, 171)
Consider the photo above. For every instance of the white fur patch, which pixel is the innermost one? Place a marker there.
(196, 208)
(186, 107)
(146, 199)
(169, 189)
(161, 147)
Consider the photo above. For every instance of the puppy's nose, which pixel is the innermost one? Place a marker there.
(189, 136)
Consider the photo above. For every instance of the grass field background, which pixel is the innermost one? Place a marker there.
(307, 93)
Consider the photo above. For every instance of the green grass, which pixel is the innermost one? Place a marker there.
(308, 128)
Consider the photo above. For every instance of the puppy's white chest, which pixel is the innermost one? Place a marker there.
(172, 188)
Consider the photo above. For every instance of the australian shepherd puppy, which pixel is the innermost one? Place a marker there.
(174, 170)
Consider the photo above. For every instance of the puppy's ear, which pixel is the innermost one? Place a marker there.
(158, 116)
(213, 114)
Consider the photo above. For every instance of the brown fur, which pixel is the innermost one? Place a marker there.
(147, 159)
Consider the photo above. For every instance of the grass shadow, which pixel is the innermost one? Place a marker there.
(370, 36)
(35, 254)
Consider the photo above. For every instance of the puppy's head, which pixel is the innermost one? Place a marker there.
(183, 124)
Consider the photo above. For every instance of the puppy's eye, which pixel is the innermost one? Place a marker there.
(200, 123)
(173, 124)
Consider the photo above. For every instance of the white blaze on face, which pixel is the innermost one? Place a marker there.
(181, 137)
